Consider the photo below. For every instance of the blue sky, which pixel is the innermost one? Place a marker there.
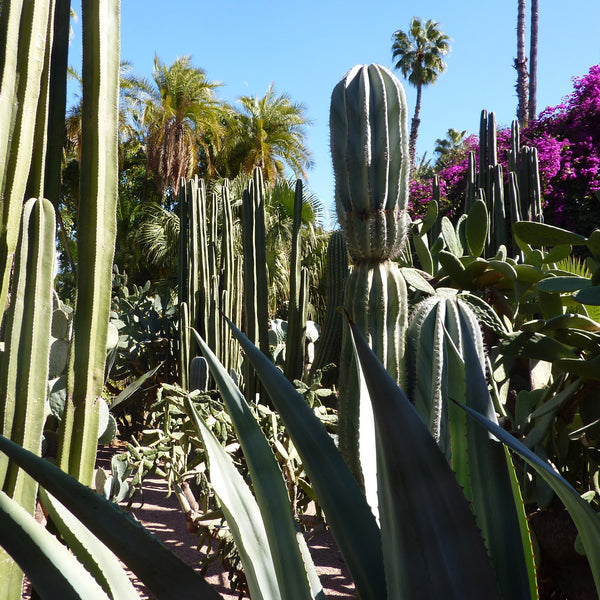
(306, 48)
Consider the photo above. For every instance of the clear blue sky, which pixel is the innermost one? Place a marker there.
(306, 48)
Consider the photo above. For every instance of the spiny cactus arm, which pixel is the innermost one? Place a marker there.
(294, 353)
(23, 378)
(328, 346)
(24, 372)
(57, 101)
(369, 146)
(21, 81)
(97, 228)
(35, 183)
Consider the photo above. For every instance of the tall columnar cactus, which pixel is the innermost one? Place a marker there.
(208, 282)
(329, 344)
(256, 292)
(26, 33)
(24, 367)
(296, 333)
(369, 146)
(96, 235)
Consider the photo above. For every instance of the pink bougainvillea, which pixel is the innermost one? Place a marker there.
(567, 138)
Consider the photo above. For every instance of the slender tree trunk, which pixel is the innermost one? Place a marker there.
(521, 65)
(414, 130)
(533, 61)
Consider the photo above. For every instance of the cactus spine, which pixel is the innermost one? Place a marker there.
(369, 146)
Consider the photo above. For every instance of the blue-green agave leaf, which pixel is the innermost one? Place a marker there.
(432, 545)
(54, 572)
(586, 520)
(165, 574)
(348, 514)
(98, 560)
(268, 483)
(500, 514)
(242, 514)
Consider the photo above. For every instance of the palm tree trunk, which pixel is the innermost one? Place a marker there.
(533, 61)
(414, 130)
(521, 66)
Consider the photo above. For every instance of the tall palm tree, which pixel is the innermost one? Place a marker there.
(521, 65)
(182, 117)
(533, 48)
(419, 57)
(269, 133)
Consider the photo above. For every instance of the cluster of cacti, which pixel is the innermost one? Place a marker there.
(33, 87)
(369, 146)
(209, 274)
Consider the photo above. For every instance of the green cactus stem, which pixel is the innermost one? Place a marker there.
(26, 26)
(294, 353)
(369, 147)
(97, 230)
(329, 344)
(256, 294)
(24, 371)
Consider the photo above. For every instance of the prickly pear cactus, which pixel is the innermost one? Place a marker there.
(369, 147)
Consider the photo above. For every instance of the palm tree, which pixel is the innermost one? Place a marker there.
(521, 66)
(533, 47)
(182, 120)
(447, 147)
(419, 55)
(269, 133)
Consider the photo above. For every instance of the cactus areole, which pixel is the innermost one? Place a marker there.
(369, 147)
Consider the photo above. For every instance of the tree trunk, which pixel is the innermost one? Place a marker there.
(533, 61)
(521, 66)
(414, 130)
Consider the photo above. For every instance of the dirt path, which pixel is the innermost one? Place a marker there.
(162, 516)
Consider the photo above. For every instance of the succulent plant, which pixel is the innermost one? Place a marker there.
(369, 147)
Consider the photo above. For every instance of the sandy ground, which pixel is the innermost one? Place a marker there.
(162, 516)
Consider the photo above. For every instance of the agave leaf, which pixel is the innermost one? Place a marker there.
(91, 553)
(584, 517)
(348, 514)
(269, 486)
(242, 514)
(54, 572)
(500, 514)
(432, 546)
(120, 402)
(162, 572)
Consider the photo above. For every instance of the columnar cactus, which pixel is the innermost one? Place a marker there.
(256, 291)
(328, 346)
(369, 146)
